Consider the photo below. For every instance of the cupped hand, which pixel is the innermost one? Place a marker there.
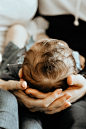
(77, 87)
(43, 104)
(52, 102)
(76, 90)
(58, 104)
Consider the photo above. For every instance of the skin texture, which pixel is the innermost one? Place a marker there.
(14, 33)
(77, 89)
(60, 100)
(13, 85)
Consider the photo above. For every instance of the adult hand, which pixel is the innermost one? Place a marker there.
(13, 85)
(77, 89)
(42, 104)
(32, 103)
(43, 101)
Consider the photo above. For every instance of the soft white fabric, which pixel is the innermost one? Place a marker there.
(15, 11)
(19, 11)
(36, 26)
(61, 7)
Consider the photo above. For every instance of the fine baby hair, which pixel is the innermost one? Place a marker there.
(47, 64)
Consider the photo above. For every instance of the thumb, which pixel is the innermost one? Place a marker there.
(16, 85)
(77, 80)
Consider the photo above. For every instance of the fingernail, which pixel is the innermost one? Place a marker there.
(59, 91)
(68, 104)
(24, 84)
(68, 96)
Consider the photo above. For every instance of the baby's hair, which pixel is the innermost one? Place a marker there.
(47, 64)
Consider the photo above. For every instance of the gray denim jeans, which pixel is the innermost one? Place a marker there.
(8, 110)
(9, 116)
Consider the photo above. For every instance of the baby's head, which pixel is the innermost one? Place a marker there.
(47, 64)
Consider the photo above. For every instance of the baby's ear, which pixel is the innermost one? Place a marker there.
(20, 73)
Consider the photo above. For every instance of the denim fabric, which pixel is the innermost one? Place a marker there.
(11, 63)
(8, 110)
(12, 60)
(9, 115)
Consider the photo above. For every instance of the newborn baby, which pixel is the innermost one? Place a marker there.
(47, 64)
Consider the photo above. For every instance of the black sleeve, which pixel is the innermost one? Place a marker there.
(11, 73)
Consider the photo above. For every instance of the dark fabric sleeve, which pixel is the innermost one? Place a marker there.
(11, 73)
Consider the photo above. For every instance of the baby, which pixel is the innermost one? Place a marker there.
(47, 64)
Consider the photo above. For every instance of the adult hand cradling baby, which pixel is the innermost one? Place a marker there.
(76, 90)
(49, 103)
(18, 33)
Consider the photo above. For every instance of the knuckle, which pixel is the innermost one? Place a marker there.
(50, 108)
(28, 105)
(60, 109)
(63, 107)
(62, 99)
(44, 105)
